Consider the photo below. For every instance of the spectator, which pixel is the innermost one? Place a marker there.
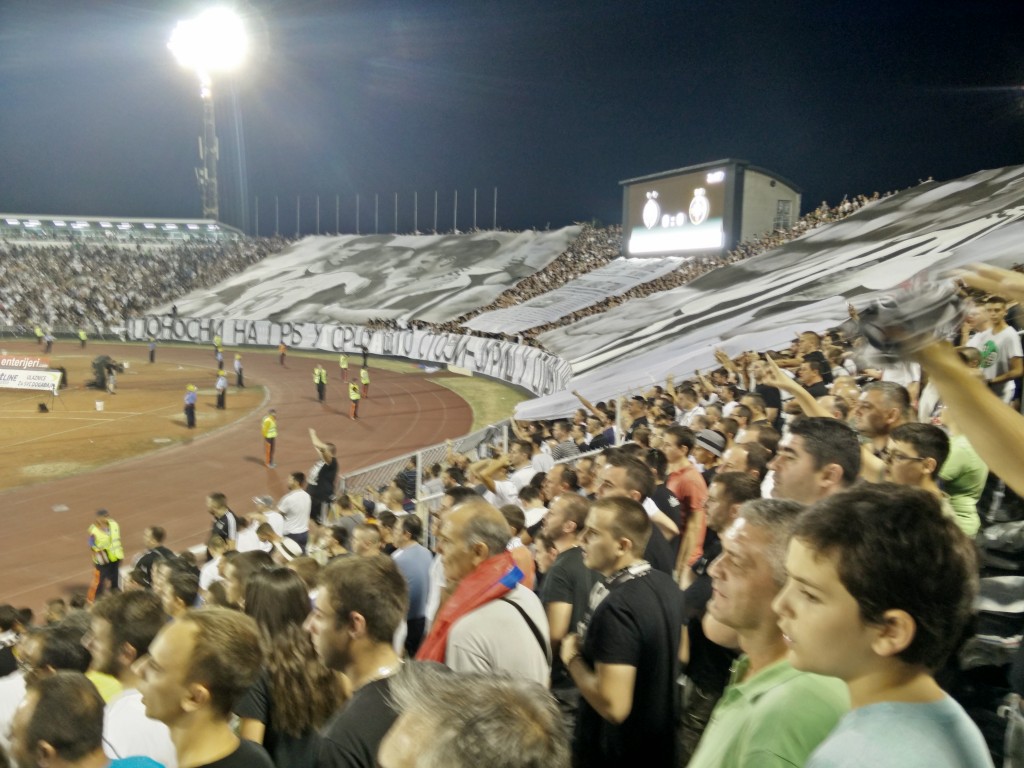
(294, 693)
(624, 661)
(816, 458)
(490, 622)
(60, 722)
(413, 560)
(153, 539)
(197, 668)
(225, 524)
(239, 569)
(295, 507)
(361, 603)
(770, 712)
(472, 719)
(122, 628)
(880, 588)
(565, 591)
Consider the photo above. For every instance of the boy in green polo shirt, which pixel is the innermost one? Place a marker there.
(880, 586)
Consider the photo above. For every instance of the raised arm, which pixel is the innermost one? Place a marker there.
(994, 429)
(586, 403)
(872, 468)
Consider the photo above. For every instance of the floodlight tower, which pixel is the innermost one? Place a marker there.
(214, 42)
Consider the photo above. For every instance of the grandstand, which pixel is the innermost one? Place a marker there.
(475, 303)
(376, 290)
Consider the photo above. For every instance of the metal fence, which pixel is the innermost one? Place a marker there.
(380, 475)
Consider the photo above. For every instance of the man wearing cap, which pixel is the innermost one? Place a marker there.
(190, 406)
(107, 554)
(707, 452)
(239, 372)
(222, 389)
(282, 550)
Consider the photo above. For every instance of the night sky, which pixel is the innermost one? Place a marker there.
(551, 101)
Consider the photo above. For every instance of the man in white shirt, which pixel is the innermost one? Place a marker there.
(493, 473)
(210, 572)
(123, 625)
(1001, 358)
(519, 458)
(264, 513)
(295, 507)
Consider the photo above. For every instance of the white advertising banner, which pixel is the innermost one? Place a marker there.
(19, 378)
(613, 279)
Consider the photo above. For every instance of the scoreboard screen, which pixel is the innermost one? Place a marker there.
(675, 214)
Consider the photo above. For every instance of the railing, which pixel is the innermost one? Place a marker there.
(381, 474)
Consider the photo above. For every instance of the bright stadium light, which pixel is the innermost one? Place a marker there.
(215, 42)
(212, 43)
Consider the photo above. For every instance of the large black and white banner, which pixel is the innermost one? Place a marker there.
(613, 279)
(355, 279)
(761, 303)
(527, 367)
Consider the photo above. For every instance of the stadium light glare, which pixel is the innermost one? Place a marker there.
(213, 42)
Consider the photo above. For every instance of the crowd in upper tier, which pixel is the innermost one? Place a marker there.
(62, 285)
(595, 246)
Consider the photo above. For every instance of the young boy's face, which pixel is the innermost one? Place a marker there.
(819, 619)
(904, 466)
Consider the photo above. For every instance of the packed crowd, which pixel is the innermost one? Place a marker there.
(78, 285)
(820, 216)
(67, 286)
(794, 532)
(596, 246)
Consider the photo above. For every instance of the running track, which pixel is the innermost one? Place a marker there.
(45, 553)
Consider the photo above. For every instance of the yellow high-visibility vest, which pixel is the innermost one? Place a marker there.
(106, 545)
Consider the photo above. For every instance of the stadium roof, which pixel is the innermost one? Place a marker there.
(21, 225)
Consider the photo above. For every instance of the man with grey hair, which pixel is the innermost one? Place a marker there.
(881, 407)
(770, 714)
(489, 621)
(504, 721)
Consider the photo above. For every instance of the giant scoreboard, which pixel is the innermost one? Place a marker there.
(707, 208)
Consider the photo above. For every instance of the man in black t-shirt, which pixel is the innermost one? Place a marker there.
(322, 478)
(361, 602)
(225, 524)
(809, 374)
(153, 538)
(625, 660)
(636, 410)
(198, 666)
(566, 588)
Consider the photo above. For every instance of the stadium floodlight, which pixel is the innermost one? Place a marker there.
(213, 43)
